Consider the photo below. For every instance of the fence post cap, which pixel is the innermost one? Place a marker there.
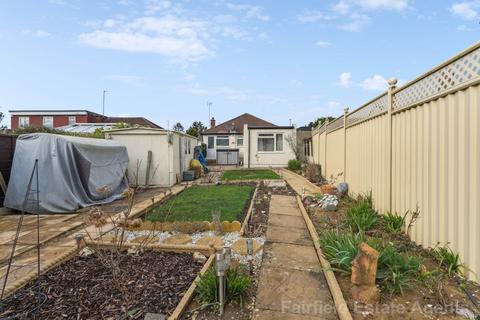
(345, 109)
(392, 82)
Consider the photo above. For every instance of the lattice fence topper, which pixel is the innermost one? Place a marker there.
(372, 109)
(457, 72)
(322, 128)
(335, 124)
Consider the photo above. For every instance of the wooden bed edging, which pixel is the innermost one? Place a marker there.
(249, 212)
(340, 304)
(183, 304)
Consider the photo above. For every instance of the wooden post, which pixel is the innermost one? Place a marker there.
(149, 165)
(345, 115)
(391, 87)
(325, 153)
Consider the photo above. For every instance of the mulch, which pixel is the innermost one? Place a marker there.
(83, 288)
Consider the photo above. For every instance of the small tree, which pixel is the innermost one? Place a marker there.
(320, 121)
(296, 148)
(178, 127)
(196, 129)
(1, 119)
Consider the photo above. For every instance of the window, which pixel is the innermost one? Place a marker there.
(211, 142)
(72, 119)
(240, 141)
(279, 142)
(269, 142)
(48, 122)
(222, 141)
(23, 122)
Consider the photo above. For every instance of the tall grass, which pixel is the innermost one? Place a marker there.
(361, 217)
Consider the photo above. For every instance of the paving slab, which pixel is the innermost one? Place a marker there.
(262, 314)
(289, 235)
(295, 291)
(290, 221)
(290, 256)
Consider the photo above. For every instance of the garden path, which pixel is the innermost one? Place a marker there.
(299, 183)
(292, 285)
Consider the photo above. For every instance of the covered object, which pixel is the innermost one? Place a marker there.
(73, 172)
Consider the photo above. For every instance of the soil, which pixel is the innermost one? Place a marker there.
(257, 224)
(441, 298)
(83, 287)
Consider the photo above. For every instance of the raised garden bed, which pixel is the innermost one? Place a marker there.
(84, 288)
(249, 174)
(197, 203)
(412, 282)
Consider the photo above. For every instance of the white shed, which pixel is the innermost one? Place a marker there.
(170, 154)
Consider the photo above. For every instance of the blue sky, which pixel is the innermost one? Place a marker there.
(164, 60)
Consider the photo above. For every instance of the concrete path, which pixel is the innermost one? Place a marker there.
(299, 183)
(292, 285)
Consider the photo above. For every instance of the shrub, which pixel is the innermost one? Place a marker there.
(294, 165)
(313, 172)
(238, 283)
(361, 217)
(393, 223)
(448, 259)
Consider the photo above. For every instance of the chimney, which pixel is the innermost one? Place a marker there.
(212, 122)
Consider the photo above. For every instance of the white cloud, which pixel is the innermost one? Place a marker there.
(313, 16)
(250, 11)
(189, 77)
(467, 10)
(224, 18)
(344, 6)
(377, 82)
(225, 92)
(263, 35)
(37, 33)
(169, 35)
(110, 23)
(345, 79)
(356, 23)
(323, 44)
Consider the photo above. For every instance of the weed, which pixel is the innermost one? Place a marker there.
(237, 284)
(394, 224)
(361, 217)
(448, 259)
(207, 286)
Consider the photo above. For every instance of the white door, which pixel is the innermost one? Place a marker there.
(211, 151)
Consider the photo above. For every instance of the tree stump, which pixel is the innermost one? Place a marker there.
(364, 271)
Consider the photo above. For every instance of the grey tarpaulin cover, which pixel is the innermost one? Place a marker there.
(73, 172)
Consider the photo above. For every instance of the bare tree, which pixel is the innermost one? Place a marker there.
(296, 148)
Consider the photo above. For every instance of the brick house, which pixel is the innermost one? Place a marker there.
(61, 118)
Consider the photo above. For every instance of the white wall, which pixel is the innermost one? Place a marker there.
(212, 153)
(268, 159)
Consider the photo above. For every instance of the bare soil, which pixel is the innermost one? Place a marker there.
(84, 288)
(439, 298)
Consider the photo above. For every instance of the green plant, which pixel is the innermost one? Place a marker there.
(207, 285)
(393, 223)
(361, 217)
(294, 165)
(237, 283)
(448, 259)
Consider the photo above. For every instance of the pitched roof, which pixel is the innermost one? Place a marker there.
(236, 124)
(134, 121)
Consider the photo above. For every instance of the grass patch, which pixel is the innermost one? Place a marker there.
(196, 204)
(250, 174)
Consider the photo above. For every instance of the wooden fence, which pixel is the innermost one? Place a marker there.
(417, 145)
(7, 149)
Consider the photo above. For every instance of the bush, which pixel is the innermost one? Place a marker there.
(361, 217)
(238, 283)
(294, 165)
(313, 172)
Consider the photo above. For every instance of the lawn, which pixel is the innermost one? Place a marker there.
(249, 174)
(196, 204)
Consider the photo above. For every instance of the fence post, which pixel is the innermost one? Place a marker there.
(325, 151)
(391, 87)
(345, 114)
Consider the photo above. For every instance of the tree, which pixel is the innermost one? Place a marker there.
(1, 119)
(320, 121)
(196, 129)
(178, 127)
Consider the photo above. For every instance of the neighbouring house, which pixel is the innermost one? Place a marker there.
(65, 118)
(249, 141)
(157, 157)
(304, 142)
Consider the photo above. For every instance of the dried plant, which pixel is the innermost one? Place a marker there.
(216, 220)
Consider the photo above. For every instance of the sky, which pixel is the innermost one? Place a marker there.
(165, 60)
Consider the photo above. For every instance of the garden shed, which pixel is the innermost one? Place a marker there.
(159, 156)
(71, 173)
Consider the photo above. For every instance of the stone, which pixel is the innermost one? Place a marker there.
(180, 238)
(328, 206)
(207, 240)
(155, 316)
(364, 271)
(85, 252)
(197, 256)
(328, 189)
(240, 246)
(342, 188)
(308, 200)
